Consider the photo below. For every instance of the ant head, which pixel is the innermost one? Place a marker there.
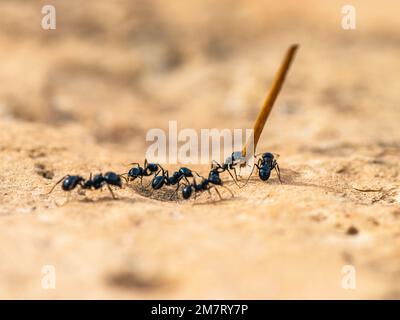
(152, 167)
(176, 174)
(268, 155)
(135, 172)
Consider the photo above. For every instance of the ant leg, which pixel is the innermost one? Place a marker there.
(145, 169)
(112, 193)
(122, 175)
(234, 180)
(278, 171)
(235, 172)
(58, 182)
(164, 172)
(198, 174)
(217, 166)
(157, 173)
(209, 193)
(186, 179)
(230, 191)
(219, 195)
(252, 170)
(125, 178)
(141, 181)
(149, 184)
(175, 192)
(160, 167)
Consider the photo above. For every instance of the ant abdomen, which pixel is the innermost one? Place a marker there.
(187, 192)
(157, 182)
(113, 179)
(186, 172)
(264, 173)
(70, 182)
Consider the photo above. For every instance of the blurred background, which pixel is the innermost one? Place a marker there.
(81, 98)
(117, 69)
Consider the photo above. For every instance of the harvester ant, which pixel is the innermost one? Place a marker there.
(229, 164)
(70, 182)
(265, 165)
(164, 179)
(204, 185)
(137, 171)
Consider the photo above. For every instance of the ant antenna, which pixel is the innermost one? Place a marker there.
(57, 183)
(122, 175)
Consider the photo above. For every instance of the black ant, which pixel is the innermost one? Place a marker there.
(183, 173)
(230, 164)
(139, 172)
(265, 165)
(164, 179)
(204, 185)
(70, 182)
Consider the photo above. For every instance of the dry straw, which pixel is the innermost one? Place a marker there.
(270, 100)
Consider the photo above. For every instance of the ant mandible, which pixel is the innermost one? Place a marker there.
(70, 182)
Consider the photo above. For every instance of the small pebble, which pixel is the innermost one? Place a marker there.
(351, 231)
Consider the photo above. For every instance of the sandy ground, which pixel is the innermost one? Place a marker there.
(80, 99)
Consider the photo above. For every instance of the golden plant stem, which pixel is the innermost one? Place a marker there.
(270, 100)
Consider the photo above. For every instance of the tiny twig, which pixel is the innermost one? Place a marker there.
(368, 190)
